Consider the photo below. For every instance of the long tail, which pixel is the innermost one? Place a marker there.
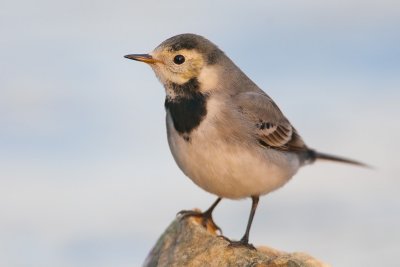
(314, 155)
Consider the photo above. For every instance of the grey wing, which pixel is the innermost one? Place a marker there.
(271, 127)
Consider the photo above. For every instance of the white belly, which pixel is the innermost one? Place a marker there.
(230, 170)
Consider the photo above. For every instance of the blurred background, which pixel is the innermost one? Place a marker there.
(86, 176)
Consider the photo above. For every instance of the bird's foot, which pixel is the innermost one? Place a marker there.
(205, 219)
(241, 243)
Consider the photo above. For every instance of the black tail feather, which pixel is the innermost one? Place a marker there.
(318, 155)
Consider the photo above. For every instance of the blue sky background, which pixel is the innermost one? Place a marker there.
(86, 176)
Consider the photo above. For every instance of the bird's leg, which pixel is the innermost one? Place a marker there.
(245, 239)
(206, 217)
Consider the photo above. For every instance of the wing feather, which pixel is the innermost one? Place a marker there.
(271, 127)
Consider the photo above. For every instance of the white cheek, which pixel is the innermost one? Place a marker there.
(165, 76)
(208, 78)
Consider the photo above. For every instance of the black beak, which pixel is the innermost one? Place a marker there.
(146, 58)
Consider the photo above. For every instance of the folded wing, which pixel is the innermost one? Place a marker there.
(271, 127)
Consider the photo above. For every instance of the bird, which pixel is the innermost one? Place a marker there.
(224, 132)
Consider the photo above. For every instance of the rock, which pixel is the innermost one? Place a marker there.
(187, 243)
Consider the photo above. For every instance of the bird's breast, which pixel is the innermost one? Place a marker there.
(228, 166)
(187, 112)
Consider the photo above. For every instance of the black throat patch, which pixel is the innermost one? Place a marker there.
(188, 108)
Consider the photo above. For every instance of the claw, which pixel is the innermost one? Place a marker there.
(206, 219)
(237, 244)
(240, 243)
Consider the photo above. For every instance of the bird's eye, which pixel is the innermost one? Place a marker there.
(179, 59)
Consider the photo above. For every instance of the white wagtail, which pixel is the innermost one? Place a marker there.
(224, 132)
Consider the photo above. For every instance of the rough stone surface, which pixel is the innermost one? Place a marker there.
(187, 243)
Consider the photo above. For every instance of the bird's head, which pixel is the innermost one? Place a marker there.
(185, 59)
